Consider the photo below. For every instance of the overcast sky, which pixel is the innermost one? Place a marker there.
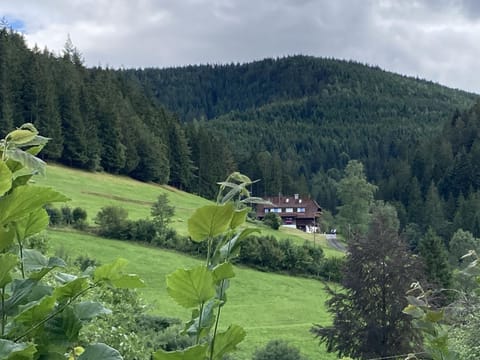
(437, 40)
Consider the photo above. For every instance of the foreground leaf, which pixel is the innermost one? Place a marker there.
(88, 310)
(197, 352)
(113, 274)
(5, 178)
(7, 263)
(100, 352)
(32, 224)
(210, 221)
(10, 350)
(190, 288)
(26, 199)
(227, 341)
(7, 236)
(37, 311)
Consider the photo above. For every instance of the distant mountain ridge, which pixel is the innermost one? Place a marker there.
(209, 91)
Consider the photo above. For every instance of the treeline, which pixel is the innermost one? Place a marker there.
(101, 119)
(295, 122)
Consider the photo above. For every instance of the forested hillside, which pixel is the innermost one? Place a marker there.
(99, 119)
(293, 122)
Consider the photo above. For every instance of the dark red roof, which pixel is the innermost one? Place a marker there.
(310, 207)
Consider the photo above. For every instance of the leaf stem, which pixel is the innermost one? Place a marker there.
(217, 320)
(199, 323)
(22, 268)
(4, 313)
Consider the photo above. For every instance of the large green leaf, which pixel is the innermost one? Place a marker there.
(72, 288)
(197, 352)
(22, 292)
(38, 265)
(5, 178)
(36, 311)
(227, 341)
(100, 352)
(27, 160)
(63, 328)
(223, 271)
(8, 262)
(32, 224)
(239, 217)
(128, 281)
(110, 271)
(10, 350)
(190, 288)
(21, 136)
(88, 310)
(7, 236)
(209, 221)
(21, 180)
(113, 274)
(26, 199)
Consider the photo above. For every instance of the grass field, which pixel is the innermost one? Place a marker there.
(92, 191)
(268, 306)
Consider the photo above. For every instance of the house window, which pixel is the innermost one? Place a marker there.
(289, 210)
(302, 210)
(266, 210)
(276, 210)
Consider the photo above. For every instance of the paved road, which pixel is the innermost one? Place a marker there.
(334, 243)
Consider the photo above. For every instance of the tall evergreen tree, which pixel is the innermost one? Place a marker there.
(435, 256)
(368, 321)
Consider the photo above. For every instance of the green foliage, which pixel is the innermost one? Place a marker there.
(367, 312)
(431, 322)
(435, 256)
(40, 319)
(278, 350)
(460, 244)
(112, 222)
(162, 213)
(273, 220)
(356, 196)
(203, 288)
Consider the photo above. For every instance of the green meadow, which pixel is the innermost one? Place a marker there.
(92, 191)
(268, 306)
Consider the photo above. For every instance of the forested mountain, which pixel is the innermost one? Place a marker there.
(293, 122)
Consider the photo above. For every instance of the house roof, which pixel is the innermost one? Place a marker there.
(312, 209)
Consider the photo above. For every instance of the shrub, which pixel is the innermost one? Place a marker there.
(273, 220)
(113, 222)
(55, 216)
(278, 350)
(67, 216)
(142, 230)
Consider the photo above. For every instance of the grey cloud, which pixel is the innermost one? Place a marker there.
(432, 39)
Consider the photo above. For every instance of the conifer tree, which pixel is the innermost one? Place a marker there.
(368, 321)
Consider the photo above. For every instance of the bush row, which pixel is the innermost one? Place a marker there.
(264, 253)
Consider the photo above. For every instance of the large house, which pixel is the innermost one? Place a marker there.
(295, 211)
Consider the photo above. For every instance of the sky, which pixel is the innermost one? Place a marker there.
(437, 40)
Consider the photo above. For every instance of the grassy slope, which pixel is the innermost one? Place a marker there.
(268, 306)
(92, 191)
